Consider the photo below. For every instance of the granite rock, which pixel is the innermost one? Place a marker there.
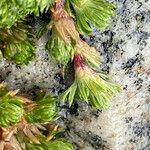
(125, 55)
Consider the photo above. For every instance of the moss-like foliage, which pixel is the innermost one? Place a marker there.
(45, 110)
(93, 87)
(17, 43)
(21, 122)
(13, 10)
(59, 50)
(97, 12)
(11, 107)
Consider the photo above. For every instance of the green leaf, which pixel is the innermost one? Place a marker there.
(59, 50)
(70, 94)
(82, 25)
(68, 8)
(44, 111)
(83, 91)
(42, 30)
(89, 86)
(89, 54)
(60, 144)
(11, 110)
(97, 12)
(37, 146)
(17, 43)
(13, 10)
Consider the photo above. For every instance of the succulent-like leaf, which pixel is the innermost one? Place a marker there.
(12, 10)
(89, 54)
(58, 144)
(98, 12)
(11, 110)
(20, 121)
(70, 93)
(95, 88)
(63, 37)
(59, 50)
(44, 111)
(17, 43)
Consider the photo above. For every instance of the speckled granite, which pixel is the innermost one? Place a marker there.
(125, 54)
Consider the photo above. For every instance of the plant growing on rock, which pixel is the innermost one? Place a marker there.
(89, 85)
(23, 122)
(69, 19)
(18, 43)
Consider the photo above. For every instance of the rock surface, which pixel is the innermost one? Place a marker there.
(125, 54)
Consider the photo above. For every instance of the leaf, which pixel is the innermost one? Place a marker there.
(82, 25)
(42, 30)
(15, 10)
(90, 86)
(72, 94)
(97, 12)
(19, 44)
(68, 8)
(64, 25)
(83, 91)
(59, 50)
(60, 144)
(11, 110)
(89, 54)
(44, 111)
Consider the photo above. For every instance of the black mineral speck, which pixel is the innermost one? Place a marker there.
(125, 87)
(142, 44)
(58, 77)
(7, 73)
(128, 119)
(138, 83)
(96, 141)
(73, 110)
(96, 113)
(129, 64)
(105, 68)
(132, 141)
(149, 88)
(142, 129)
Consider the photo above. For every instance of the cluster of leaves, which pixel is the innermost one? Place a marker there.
(18, 43)
(13, 108)
(13, 10)
(21, 118)
(97, 12)
(45, 110)
(59, 50)
(64, 35)
(59, 144)
(93, 87)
